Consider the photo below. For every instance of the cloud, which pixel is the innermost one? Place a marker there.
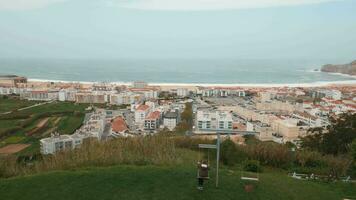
(209, 4)
(26, 4)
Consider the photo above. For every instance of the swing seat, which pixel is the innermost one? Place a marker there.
(206, 178)
(249, 178)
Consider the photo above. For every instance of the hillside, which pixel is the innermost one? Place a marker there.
(152, 182)
(349, 68)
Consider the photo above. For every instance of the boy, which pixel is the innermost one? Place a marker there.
(203, 173)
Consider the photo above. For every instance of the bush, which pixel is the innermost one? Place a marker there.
(231, 154)
(309, 159)
(252, 166)
(272, 154)
(154, 150)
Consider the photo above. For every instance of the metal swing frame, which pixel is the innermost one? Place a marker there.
(212, 146)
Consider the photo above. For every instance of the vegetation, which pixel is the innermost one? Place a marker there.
(337, 139)
(13, 103)
(30, 125)
(186, 123)
(162, 182)
(157, 150)
(163, 166)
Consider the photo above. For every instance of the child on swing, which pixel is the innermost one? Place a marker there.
(203, 173)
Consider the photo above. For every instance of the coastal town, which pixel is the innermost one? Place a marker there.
(278, 114)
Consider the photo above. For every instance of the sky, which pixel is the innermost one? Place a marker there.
(160, 29)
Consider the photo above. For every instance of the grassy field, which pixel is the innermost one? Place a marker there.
(152, 182)
(23, 126)
(11, 104)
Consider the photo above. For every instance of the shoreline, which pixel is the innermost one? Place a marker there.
(247, 85)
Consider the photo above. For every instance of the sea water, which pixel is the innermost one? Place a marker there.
(183, 71)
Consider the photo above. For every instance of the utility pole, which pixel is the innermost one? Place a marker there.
(217, 158)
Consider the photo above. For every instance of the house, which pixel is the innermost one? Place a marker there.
(153, 120)
(119, 127)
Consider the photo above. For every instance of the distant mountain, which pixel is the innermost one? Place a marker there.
(349, 69)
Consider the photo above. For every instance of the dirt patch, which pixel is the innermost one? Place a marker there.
(13, 148)
(40, 126)
(42, 122)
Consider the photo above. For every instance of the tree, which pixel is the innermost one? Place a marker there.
(338, 137)
(186, 123)
(353, 150)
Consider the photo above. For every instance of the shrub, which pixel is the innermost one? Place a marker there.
(252, 166)
(231, 154)
(156, 150)
(271, 154)
(309, 159)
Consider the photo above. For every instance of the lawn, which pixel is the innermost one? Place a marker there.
(11, 104)
(152, 182)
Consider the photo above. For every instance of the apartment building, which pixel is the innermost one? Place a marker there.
(170, 120)
(153, 121)
(289, 129)
(40, 95)
(67, 95)
(58, 142)
(89, 97)
(213, 120)
(182, 92)
(141, 113)
(126, 98)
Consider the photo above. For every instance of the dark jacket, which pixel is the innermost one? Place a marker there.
(203, 171)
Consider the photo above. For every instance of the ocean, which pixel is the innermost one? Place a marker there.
(181, 71)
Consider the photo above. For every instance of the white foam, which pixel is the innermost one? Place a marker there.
(267, 85)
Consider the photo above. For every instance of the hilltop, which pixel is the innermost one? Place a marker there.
(349, 68)
(158, 182)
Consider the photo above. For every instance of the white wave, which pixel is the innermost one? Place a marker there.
(267, 85)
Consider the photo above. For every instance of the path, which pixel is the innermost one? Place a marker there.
(28, 107)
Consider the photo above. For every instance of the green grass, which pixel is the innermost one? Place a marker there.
(11, 104)
(152, 182)
(67, 125)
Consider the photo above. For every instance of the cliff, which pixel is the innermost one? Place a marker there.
(349, 69)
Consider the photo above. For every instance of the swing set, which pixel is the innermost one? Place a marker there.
(208, 147)
(246, 176)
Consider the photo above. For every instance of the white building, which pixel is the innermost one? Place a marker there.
(214, 120)
(334, 94)
(11, 90)
(67, 95)
(182, 92)
(40, 95)
(126, 98)
(141, 113)
(170, 120)
(58, 142)
(139, 84)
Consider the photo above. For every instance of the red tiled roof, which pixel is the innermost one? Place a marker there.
(142, 107)
(154, 115)
(119, 125)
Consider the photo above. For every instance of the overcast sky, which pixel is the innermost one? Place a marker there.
(241, 29)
